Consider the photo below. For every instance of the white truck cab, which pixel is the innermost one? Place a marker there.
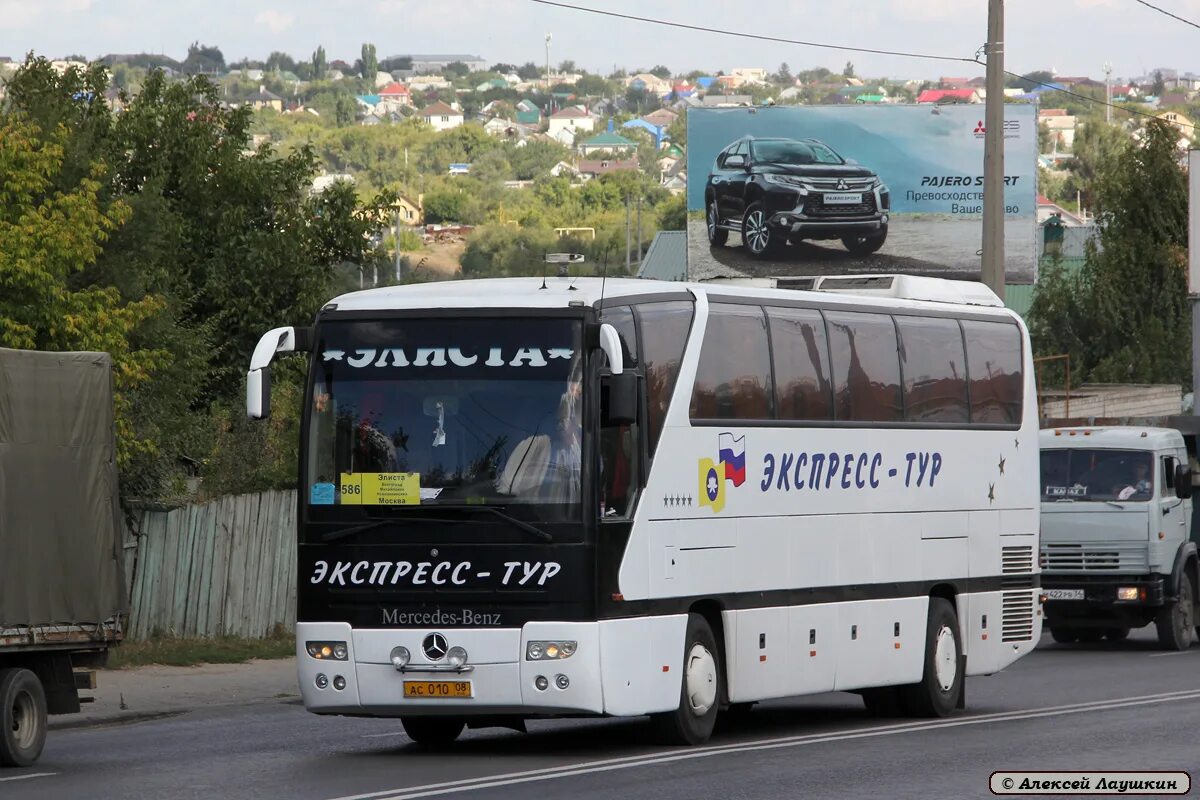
(1116, 542)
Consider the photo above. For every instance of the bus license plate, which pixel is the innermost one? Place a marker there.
(437, 689)
(1064, 594)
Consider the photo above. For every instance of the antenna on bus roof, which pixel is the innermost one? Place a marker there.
(545, 261)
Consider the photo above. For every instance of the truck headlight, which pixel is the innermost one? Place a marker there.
(550, 650)
(327, 651)
(1127, 593)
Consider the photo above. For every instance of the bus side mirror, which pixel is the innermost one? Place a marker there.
(258, 379)
(618, 399)
(1183, 481)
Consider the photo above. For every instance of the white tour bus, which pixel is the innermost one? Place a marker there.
(524, 498)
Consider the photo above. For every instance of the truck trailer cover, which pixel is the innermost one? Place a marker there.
(60, 522)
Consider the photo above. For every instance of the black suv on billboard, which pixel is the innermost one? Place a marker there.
(773, 190)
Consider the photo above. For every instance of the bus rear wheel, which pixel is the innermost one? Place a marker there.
(433, 732)
(941, 685)
(700, 689)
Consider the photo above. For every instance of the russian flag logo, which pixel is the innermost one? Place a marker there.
(732, 453)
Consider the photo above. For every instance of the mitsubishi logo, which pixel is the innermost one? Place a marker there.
(434, 647)
(841, 184)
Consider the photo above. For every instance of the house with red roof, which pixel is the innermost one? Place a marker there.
(949, 96)
(397, 93)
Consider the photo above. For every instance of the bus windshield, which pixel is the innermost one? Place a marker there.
(428, 412)
(1097, 475)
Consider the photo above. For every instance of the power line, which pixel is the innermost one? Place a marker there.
(849, 48)
(1168, 13)
(759, 37)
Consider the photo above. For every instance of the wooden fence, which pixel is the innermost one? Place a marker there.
(224, 568)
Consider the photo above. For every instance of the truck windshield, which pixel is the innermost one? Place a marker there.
(1097, 475)
(450, 412)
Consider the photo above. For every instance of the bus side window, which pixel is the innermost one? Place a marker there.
(619, 443)
(866, 367)
(994, 364)
(935, 369)
(800, 350)
(621, 318)
(733, 379)
(664, 328)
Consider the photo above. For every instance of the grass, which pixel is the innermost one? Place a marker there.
(179, 652)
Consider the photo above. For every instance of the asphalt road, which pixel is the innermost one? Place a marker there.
(1128, 706)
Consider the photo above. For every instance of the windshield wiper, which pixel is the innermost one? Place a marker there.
(533, 530)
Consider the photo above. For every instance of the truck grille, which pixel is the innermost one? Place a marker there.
(1017, 617)
(1082, 557)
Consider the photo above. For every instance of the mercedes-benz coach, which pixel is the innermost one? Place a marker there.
(524, 498)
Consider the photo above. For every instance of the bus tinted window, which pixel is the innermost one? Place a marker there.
(935, 370)
(994, 362)
(866, 367)
(664, 335)
(733, 379)
(801, 355)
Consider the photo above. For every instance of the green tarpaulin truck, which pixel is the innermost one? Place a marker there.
(62, 590)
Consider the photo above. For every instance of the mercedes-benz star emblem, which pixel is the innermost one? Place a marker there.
(434, 646)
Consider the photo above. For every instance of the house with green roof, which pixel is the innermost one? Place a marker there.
(870, 98)
(608, 141)
(528, 113)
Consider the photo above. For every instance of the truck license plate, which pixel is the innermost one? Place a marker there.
(437, 689)
(1064, 594)
(842, 199)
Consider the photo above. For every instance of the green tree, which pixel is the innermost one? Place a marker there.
(672, 214)
(660, 71)
(1125, 317)
(529, 71)
(848, 70)
(1160, 85)
(784, 76)
(370, 63)
(320, 65)
(456, 69)
(203, 60)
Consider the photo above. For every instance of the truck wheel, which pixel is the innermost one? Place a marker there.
(433, 732)
(757, 237)
(22, 717)
(717, 236)
(1176, 622)
(942, 682)
(701, 690)
(1064, 635)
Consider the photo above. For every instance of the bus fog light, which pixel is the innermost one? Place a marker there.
(456, 656)
(540, 683)
(400, 657)
(339, 682)
(340, 652)
(562, 681)
(322, 680)
(550, 650)
(1127, 593)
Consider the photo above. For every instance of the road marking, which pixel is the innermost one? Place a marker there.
(30, 775)
(1180, 653)
(381, 735)
(652, 759)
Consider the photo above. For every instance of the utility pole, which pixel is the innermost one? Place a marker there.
(628, 244)
(1107, 92)
(639, 230)
(993, 154)
(397, 245)
(547, 63)
(1194, 269)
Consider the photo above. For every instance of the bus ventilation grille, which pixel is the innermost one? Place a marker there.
(1017, 617)
(1016, 567)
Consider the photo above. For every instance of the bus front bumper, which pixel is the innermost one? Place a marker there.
(500, 678)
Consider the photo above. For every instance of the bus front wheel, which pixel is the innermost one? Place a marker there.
(941, 685)
(700, 691)
(433, 732)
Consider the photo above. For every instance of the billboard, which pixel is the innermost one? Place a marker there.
(819, 190)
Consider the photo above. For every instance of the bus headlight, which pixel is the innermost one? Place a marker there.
(549, 651)
(327, 651)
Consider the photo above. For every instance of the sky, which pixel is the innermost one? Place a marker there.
(1071, 37)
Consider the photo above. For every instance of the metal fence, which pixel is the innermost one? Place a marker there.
(224, 568)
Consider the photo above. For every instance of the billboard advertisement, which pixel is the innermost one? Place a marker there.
(821, 190)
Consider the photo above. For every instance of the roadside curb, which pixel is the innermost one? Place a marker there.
(72, 721)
